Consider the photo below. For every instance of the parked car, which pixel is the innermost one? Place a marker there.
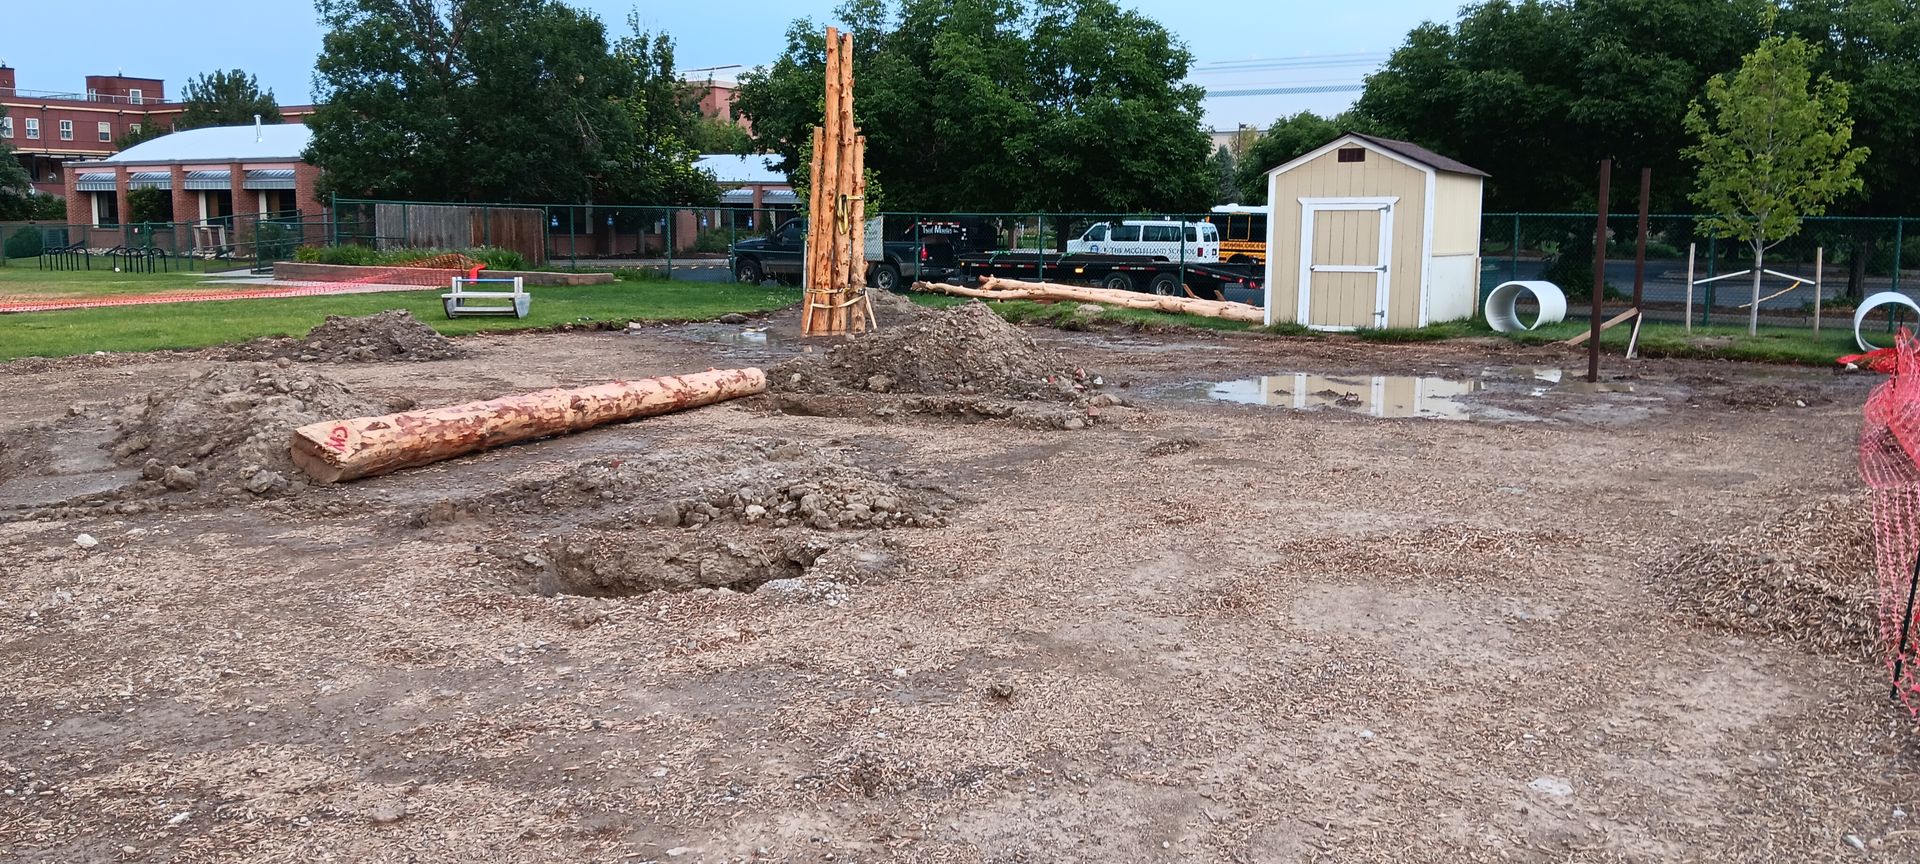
(1157, 239)
(892, 263)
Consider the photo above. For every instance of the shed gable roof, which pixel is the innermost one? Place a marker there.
(1403, 151)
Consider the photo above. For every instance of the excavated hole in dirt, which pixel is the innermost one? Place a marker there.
(769, 482)
(381, 337)
(630, 563)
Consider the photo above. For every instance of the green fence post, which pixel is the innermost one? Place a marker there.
(1899, 239)
(1513, 254)
(1040, 249)
(573, 240)
(669, 233)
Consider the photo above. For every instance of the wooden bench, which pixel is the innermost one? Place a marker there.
(464, 301)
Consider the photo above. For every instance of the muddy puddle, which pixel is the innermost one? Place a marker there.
(1434, 397)
(733, 335)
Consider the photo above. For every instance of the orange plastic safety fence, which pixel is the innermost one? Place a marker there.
(1890, 466)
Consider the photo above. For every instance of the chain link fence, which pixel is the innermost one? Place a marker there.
(252, 241)
(1857, 256)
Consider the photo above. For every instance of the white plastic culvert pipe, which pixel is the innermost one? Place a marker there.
(1501, 302)
(1874, 302)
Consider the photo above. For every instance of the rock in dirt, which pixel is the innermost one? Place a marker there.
(86, 541)
(965, 350)
(393, 335)
(227, 425)
(733, 318)
(1805, 575)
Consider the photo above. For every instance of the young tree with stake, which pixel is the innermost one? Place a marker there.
(1775, 148)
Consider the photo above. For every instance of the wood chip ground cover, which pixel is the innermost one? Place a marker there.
(1202, 632)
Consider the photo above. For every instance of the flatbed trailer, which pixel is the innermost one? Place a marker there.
(1119, 272)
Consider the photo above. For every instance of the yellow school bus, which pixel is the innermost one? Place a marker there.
(1243, 233)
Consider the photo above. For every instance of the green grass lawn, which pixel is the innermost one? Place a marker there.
(197, 325)
(22, 278)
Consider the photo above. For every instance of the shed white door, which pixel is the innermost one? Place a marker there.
(1345, 245)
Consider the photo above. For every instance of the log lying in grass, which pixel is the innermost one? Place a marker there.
(994, 288)
(337, 450)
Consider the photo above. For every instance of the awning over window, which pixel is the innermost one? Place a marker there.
(150, 180)
(269, 178)
(209, 180)
(96, 183)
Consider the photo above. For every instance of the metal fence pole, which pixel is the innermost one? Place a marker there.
(1899, 239)
(669, 232)
(1713, 264)
(573, 241)
(1513, 254)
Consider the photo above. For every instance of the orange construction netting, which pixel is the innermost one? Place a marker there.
(1890, 465)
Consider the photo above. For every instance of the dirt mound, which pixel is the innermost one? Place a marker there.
(893, 309)
(383, 336)
(1805, 576)
(754, 481)
(629, 563)
(227, 429)
(965, 350)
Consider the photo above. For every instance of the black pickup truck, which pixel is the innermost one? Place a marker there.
(891, 266)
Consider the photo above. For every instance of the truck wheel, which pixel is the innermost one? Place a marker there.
(748, 270)
(886, 276)
(1166, 285)
(1117, 282)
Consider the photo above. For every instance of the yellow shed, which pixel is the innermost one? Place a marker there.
(1372, 232)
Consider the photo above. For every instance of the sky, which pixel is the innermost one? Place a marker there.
(1238, 45)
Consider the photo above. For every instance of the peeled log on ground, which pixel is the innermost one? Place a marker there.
(337, 450)
(994, 288)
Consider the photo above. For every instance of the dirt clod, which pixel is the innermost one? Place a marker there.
(966, 350)
(229, 426)
(383, 336)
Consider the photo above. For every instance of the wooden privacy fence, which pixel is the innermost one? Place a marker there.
(460, 226)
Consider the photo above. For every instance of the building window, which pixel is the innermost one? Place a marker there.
(1353, 154)
(134, 96)
(106, 209)
(6, 127)
(66, 130)
(133, 128)
(106, 131)
(33, 127)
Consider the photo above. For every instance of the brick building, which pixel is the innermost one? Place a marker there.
(224, 180)
(49, 129)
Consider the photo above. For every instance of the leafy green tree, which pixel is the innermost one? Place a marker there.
(496, 100)
(1775, 146)
(1007, 105)
(148, 131)
(150, 205)
(1536, 91)
(715, 135)
(229, 98)
(1873, 46)
(16, 187)
(654, 155)
(1287, 139)
(1226, 176)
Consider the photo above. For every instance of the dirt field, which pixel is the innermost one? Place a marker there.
(1195, 631)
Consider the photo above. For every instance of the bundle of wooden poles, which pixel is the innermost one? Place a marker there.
(836, 299)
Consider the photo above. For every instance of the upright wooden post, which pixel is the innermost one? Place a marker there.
(816, 237)
(1687, 320)
(1819, 293)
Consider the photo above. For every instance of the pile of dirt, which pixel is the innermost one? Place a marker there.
(750, 481)
(227, 429)
(793, 564)
(384, 336)
(965, 350)
(1805, 576)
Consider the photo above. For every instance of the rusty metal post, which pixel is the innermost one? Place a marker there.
(1599, 272)
(1640, 244)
